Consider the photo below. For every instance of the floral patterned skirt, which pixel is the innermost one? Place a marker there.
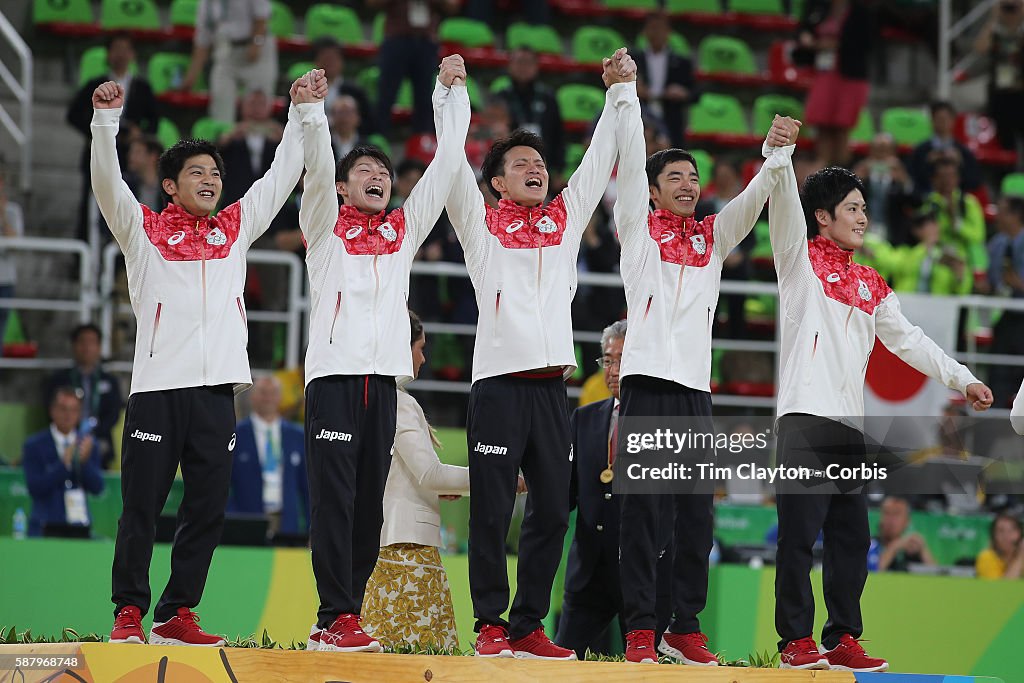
(408, 601)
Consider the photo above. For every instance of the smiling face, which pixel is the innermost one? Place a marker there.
(850, 223)
(198, 187)
(524, 178)
(368, 187)
(677, 188)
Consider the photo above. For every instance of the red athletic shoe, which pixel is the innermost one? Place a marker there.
(848, 655)
(537, 645)
(183, 630)
(802, 654)
(688, 648)
(313, 644)
(128, 626)
(640, 647)
(493, 642)
(346, 635)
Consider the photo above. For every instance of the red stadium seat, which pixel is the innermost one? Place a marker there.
(978, 132)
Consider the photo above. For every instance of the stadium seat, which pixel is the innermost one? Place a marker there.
(767, 106)
(167, 132)
(129, 14)
(705, 166)
(578, 102)
(574, 152)
(540, 38)
(209, 129)
(757, 6)
(1013, 185)
(502, 82)
(717, 114)
(864, 131)
(591, 44)
(676, 42)
(647, 5)
(183, 12)
(700, 6)
(92, 65)
(380, 142)
(907, 125)
(377, 34)
(465, 32)
(335, 21)
(282, 21)
(724, 54)
(166, 69)
(64, 11)
(368, 78)
(299, 69)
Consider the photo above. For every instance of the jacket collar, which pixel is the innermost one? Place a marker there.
(666, 219)
(178, 216)
(508, 206)
(827, 252)
(348, 213)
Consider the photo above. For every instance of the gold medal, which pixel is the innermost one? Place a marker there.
(607, 475)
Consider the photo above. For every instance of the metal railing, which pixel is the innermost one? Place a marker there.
(949, 32)
(21, 89)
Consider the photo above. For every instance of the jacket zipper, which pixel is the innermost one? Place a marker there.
(540, 272)
(156, 324)
(650, 300)
(334, 321)
(376, 293)
(241, 311)
(202, 326)
(810, 361)
(679, 281)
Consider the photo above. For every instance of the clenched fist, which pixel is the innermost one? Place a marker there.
(108, 95)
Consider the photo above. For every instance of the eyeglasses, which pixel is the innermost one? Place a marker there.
(605, 362)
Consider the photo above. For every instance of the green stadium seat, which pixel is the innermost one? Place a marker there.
(476, 98)
(907, 125)
(335, 21)
(578, 102)
(1013, 185)
(701, 6)
(796, 8)
(92, 65)
(591, 44)
(500, 83)
(299, 69)
(677, 43)
(210, 129)
(166, 69)
(716, 113)
(540, 38)
(380, 142)
(183, 12)
(465, 32)
(705, 166)
(129, 14)
(378, 29)
(864, 131)
(282, 21)
(632, 4)
(757, 6)
(725, 54)
(368, 78)
(167, 132)
(65, 11)
(574, 152)
(767, 106)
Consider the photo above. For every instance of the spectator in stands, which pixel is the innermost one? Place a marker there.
(409, 50)
(345, 125)
(889, 189)
(665, 82)
(329, 56)
(894, 549)
(960, 216)
(1004, 558)
(943, 144)
(144, 173)
(141, 113)
(269, 471)
(248, 149)
(1006, 276)
(60, 467)
(1001, 40)
(12, 224)
(99, 390)
(407, 174)
(533, 106)
(533, 11)
(835, 36)
(244, 52)
(928, 267)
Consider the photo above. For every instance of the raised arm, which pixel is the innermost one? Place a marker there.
(118, 205)
(318, 211)
(268, 194)
(737, 218)
(451, 111)
(787, 228)
(414, 448)
(632, 194)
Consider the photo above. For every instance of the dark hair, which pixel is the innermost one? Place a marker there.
(942, 161)
(925, 215)
(659, 160)
(825, 189)
(325, 43)
(65, 390)
(995, 520)
(942, 105)
(173, 160)
(349, 160)
(415, 327)
(120, 35)
(410, 164)
(78, 330)
(1016, 205)
(494, 162)
(151, 143)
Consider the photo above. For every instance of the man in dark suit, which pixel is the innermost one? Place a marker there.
(248, 149)
(533, 106)
(60, 467)
(593, 596)
(99, 390)
(943, 144)
(329, 56)
(269, 471)
(141, 114)
(665, 81)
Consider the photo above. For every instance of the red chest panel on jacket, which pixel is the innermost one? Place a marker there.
(180, 236)
(366, 235)
(682, 241)
(849, 283)
(519, 227)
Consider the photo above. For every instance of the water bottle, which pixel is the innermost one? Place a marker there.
(19, 524)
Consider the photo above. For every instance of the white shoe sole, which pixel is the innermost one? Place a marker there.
(882, 667)
(504, 654)
(372, 647)
(312, 645)
(154, 639)
(820, 665)
(669, 651)
(130, 640)
(646, 660)
(530, 655)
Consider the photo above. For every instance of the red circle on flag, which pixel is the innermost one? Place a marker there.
(890, 378)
